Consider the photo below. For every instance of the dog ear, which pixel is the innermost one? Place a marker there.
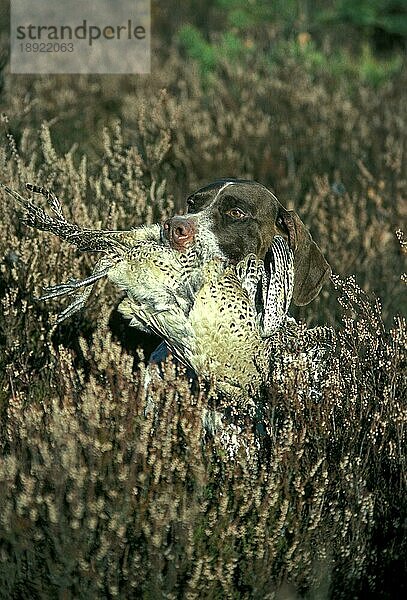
(311, 270)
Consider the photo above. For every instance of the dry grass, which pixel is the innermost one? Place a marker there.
(96, 500)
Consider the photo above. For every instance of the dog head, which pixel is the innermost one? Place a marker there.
(232, 218)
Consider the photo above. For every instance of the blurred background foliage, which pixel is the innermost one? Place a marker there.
(342, 36)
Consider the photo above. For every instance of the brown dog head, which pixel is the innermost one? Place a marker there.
(232, 218)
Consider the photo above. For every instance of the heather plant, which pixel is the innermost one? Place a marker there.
(99, 500)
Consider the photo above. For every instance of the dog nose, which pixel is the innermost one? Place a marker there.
(180, 232)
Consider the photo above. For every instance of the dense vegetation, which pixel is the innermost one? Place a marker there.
(95, 499)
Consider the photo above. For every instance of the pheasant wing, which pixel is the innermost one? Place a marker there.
(278, 288)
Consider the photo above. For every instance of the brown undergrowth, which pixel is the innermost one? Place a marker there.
(97, 500)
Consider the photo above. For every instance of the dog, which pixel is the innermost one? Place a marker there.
(231, 218)
(234, 218)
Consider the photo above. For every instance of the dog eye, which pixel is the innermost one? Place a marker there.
(236, 213)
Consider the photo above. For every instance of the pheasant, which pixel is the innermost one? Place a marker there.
(217, 318)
